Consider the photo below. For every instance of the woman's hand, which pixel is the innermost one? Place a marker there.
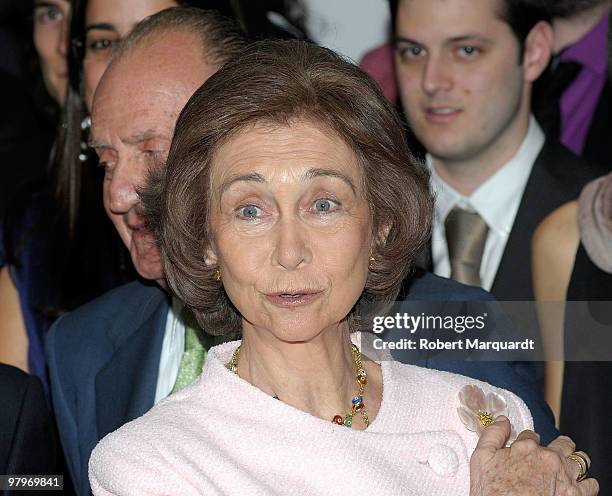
(525, 468)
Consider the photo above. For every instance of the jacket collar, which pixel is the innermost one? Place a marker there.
(125, 387)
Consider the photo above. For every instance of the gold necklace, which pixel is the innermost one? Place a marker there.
(357, 404)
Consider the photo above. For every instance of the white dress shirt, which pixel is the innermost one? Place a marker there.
(496, 200)
(172, 350)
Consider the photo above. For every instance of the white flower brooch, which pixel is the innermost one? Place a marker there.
(478, 410)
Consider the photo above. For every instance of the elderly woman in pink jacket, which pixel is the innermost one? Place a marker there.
(289, 206)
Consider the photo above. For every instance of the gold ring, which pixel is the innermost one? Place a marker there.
(583, 461)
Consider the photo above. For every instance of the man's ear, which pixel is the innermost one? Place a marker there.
(537, 51)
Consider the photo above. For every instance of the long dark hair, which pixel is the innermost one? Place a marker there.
(71, 164)
(58, 224)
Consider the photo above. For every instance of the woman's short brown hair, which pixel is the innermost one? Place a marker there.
(280, 82)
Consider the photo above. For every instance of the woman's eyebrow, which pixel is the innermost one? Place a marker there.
(253, 177)
(314, 173)
(43, 3)
(309, 175)
(103, 26)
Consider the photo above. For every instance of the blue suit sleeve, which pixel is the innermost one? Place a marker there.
(63, 402)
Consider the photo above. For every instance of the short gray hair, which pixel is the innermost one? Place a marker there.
(222, 38)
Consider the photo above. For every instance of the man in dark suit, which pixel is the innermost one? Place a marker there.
(465, 71)
(113, 359)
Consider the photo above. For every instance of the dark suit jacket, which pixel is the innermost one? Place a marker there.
(28, 442)
(598, 145)
(103, 362)
(104, 358)
(557, 177)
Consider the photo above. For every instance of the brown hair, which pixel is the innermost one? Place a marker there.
(279, 82)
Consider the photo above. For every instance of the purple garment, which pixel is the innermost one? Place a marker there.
(579, 101)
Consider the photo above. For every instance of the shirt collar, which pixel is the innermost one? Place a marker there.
(497, 199)
(592, 49)
(176, 311)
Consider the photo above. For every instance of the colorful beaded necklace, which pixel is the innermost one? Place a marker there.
(357, 404)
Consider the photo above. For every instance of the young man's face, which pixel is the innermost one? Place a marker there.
(462, 85)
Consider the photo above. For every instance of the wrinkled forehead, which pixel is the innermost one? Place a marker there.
(285, 154)
(125, 92)
(175, 63)
(146, 85)
(125, 110)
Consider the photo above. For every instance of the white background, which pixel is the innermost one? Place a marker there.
(349, 27)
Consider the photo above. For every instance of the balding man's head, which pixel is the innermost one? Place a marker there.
(213, 39)
(155, 71)
(218, 37)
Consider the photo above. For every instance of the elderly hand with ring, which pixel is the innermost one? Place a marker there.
(526, 468)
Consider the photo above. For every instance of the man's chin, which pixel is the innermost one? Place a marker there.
(150, 274)
(148, 269)
(146, 258)
(448, 150)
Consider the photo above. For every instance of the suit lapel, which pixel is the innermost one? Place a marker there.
(513, 277)
(125, 387)
(557, 177)
(597, 146)
(543, 193)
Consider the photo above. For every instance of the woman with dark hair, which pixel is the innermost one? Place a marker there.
(51, 21)
(290, 206)
(58, 249)
(34, 37)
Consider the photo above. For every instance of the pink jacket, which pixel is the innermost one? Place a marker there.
(222, 436)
